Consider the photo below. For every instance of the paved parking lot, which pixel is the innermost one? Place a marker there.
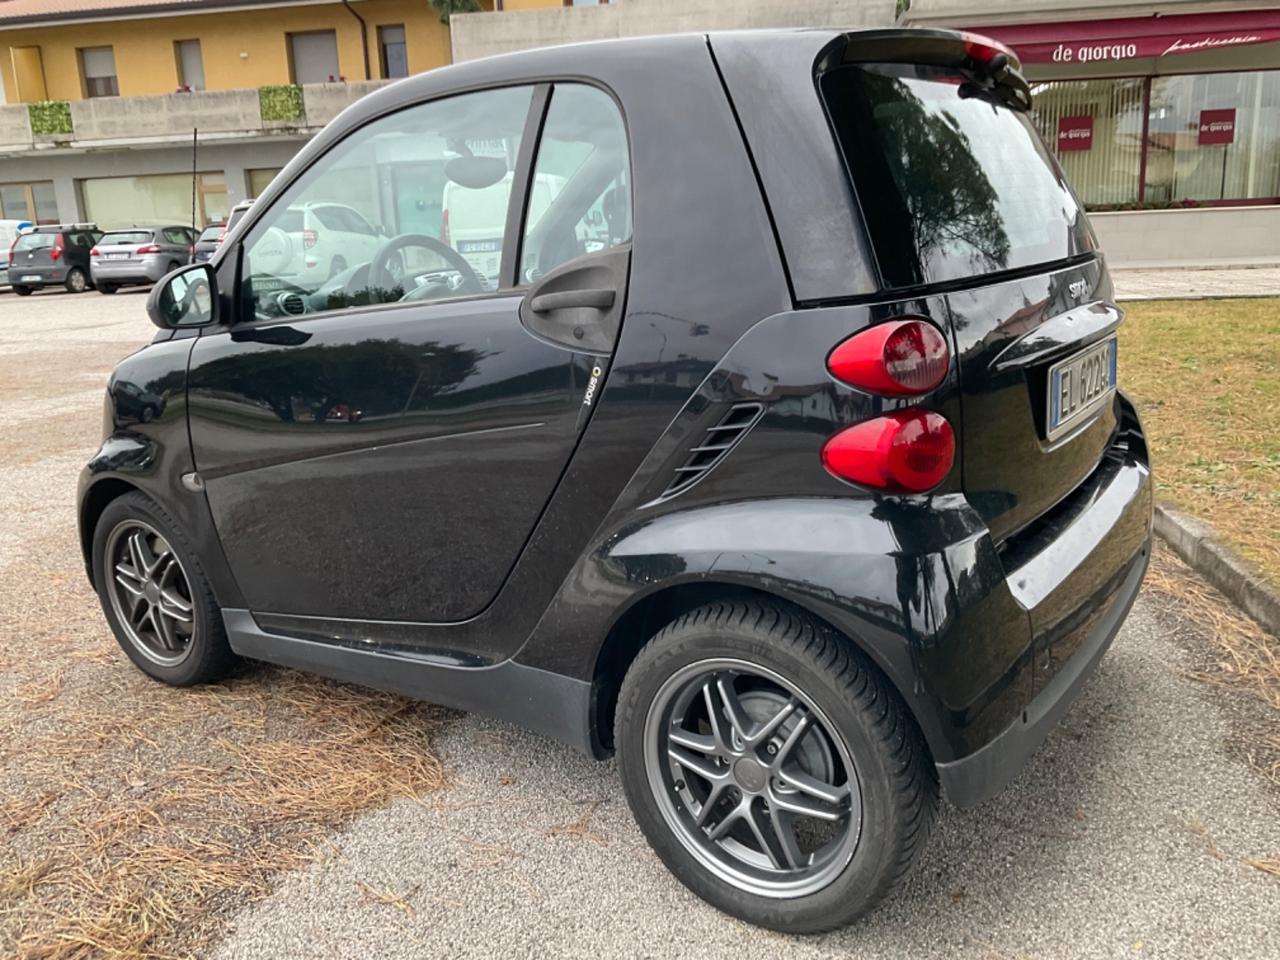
(1127, 836)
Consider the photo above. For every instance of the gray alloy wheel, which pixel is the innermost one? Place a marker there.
(77, 282)
(752, 778)
(149, 592)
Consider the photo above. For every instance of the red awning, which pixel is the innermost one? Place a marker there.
(1134, 38)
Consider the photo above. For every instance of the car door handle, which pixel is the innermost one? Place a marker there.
(546, 302)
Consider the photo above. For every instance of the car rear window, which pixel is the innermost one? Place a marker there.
(126, 237)
(211, 232)
(952, 183)
(36, 241)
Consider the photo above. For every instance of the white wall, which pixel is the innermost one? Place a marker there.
(484, 34)
(1197, 237)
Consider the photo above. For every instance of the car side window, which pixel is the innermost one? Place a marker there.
(173, 235)
(410, 207)
(580, 200)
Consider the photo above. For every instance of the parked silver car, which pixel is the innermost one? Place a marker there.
(139, 255)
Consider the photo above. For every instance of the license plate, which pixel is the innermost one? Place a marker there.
(479, 246)
(117, 256)
(32, 277)
(1079, 385)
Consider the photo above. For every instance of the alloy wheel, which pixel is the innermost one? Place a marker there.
(752, 778)
(149, 592)
(77, 281)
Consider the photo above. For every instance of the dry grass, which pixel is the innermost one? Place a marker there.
(1206, 376)
(1248, 656)
(136, 816)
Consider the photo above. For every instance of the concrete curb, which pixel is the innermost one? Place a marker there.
(1193, 540)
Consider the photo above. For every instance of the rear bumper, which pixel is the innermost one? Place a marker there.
(989, 770)
(1076, 573)
(147, 270)
(36, 277)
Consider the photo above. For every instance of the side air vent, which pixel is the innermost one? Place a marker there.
(293, 304)
(715, 446)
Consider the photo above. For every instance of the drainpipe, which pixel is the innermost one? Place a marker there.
(364, 37)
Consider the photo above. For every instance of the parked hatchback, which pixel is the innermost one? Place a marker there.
(139, 255)
(55, 255)
(782, 457)
(208, 241)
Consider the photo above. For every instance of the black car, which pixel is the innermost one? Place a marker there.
(54, 255)
(763, 431)
(208, 241)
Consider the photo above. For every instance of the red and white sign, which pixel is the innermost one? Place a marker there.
(1132, 38)
(1075, 133)
(1217, 126)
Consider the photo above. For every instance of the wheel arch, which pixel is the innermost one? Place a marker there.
(95, 500)
(648, 614)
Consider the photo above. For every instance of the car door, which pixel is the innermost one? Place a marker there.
(379, 446)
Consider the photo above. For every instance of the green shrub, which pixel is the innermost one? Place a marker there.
(282, 102)
(50, 116)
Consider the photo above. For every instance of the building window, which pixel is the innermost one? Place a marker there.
(1096, 129)
(1209, 138)
(28, 201)
(313, 56)
(98, 70)
(1213, 137)
(190, 64)
(392, 52)
(164, 198)
(260, 179)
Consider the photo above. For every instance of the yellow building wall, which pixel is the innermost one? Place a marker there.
(146, 62)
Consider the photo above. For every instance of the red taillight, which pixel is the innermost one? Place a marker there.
(56, 252)
(309, 238)
(222, 235)
(94, 252)
(984, 49)
(444, 225)
(902, 358)
(906, 451)
(149, 248)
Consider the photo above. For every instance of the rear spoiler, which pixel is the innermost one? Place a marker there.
(990, 65)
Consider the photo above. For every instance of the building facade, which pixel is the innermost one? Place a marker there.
(1165, 116)
(109, 107)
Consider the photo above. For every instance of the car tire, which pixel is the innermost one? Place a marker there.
(148, 577)
(22, 291)
(767, 654)
(173, 265)
(76, 281)
(107, 288)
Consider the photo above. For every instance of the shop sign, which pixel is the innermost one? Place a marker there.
(1217, 126)
(1133, 38)
(1075, 133)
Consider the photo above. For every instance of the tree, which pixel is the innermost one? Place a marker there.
(448, 8)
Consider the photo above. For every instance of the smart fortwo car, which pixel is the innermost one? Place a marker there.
(782, 456)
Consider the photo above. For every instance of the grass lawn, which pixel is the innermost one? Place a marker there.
(1206, 377)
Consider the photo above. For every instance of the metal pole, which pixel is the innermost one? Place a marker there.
(194, 167)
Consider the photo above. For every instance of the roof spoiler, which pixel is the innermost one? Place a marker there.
(994, 67)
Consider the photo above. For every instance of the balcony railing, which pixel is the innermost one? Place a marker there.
(171, 117)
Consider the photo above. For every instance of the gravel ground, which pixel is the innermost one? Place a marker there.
(1127, 834)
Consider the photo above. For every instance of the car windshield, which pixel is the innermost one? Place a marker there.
(212, 232)
(36, 241)
(125, 237)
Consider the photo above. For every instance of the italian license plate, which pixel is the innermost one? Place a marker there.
(1079, 385)
(117, 256)
(32, 277)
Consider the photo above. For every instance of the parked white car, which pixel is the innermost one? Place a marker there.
(10, 230)
(312, 242)
(472, 220)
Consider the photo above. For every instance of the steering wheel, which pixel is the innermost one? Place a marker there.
(381, 277)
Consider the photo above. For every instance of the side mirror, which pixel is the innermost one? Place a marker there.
(187, 297)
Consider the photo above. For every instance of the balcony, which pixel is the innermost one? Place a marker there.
(107, 122)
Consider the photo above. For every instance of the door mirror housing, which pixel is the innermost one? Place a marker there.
(187, 297)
